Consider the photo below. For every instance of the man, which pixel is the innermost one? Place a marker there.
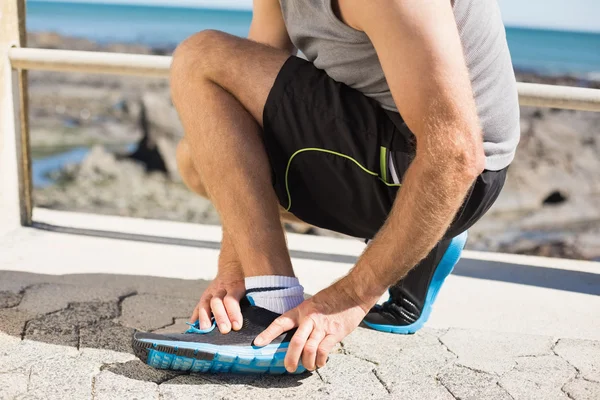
(398, 129)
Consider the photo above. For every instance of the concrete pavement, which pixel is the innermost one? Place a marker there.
(73, 288)
(68, 337)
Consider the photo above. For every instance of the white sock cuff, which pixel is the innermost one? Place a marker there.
(278, 301)
(278, 294)
(271, 281)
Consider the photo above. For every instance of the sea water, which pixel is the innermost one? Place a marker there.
(546, 52)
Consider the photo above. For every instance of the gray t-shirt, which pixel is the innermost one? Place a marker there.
(348, 56)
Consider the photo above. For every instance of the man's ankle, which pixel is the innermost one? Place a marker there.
(275, 293)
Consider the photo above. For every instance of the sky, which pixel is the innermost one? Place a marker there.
(580, 15)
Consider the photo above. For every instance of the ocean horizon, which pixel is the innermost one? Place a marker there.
(541, 51)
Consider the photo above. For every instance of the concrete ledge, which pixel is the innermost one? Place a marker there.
(492, 292)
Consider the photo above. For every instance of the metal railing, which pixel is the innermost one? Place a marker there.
(16, 59)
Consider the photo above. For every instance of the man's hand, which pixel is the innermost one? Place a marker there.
(222, 300)
(323, 321)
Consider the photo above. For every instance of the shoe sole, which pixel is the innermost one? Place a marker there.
(213, 359)
(444, 268)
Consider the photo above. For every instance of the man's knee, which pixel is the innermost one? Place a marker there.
(188, 172)
(198, 56)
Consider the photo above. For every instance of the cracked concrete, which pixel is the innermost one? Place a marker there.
(583, 355)
(493, 352)
(538, 377)
(10, 299)
(47, 298)
(63, 326)
(13, 384)
(467, 384)
(69, 337)
(149, 312)
(580, 389)
(108, 386)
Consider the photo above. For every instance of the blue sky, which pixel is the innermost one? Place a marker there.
(554, 14)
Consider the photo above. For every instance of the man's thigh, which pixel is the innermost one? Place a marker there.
(326, 145)
(244, 68)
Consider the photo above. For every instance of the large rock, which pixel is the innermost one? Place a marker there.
(550, 204)
(161, 132)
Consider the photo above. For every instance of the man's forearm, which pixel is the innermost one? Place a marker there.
(432, 192)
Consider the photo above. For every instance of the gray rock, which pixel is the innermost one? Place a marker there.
(551, 189)
(132, 192)
(99, 166)
(162, 131)
(150, 312)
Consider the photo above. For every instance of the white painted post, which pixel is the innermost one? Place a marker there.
(15, 176)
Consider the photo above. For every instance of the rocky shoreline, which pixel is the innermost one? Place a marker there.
(550, 205)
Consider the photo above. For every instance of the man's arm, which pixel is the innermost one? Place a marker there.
(419, 48)
(268, 26)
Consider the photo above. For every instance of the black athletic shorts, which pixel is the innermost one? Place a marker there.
(338, 158)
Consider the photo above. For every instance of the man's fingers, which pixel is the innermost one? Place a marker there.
(282, 324)
(204, 314)
(309, 354)
(324, 349)
(220, 314)
(232, 306)
(297, 345)
(194, 316)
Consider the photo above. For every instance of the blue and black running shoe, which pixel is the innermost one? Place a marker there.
(210, 351)
(412, 298)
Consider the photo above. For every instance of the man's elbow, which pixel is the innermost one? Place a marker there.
(467, 160)
(464, 159)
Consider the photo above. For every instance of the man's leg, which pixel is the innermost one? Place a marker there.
(221, 298)
(220, 101)
(192, 180)
(220, 85)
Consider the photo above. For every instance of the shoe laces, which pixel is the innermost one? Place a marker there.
(396, 308)
(195, 327)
